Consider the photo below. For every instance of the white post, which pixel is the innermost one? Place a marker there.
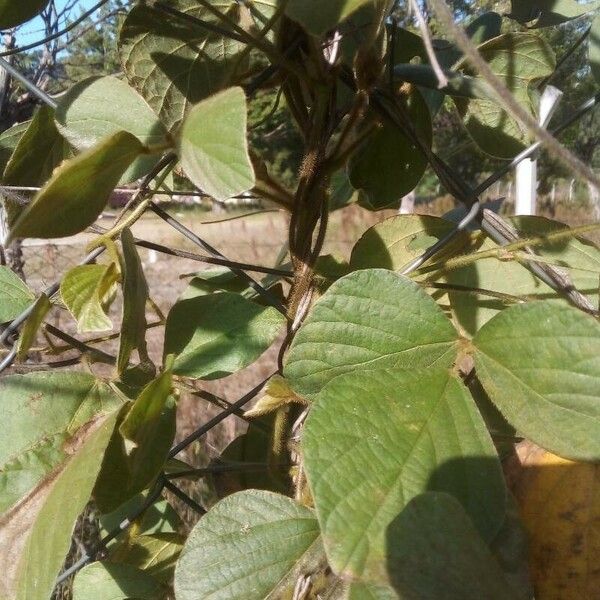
(526, 171)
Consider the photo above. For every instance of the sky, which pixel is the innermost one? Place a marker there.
(29, 31)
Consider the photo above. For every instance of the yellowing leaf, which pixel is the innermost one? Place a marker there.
(277, 394)
(560, 506)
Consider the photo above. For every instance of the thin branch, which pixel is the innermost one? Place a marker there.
(184, 497)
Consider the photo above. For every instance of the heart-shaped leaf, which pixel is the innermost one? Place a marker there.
(540, 365)
(371, 319)
(174, 63)
(85, 117)
(258, 539)
(375, 439)
(318, 17)
(15, 296)
(214, 147)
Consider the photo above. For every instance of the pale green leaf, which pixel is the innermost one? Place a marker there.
(98, 107)
(375, 439)
(214, 336)
(15, 296)
(39, 151)
(78, 190)
(42, 415)
(518, 59)
(110, 581)
(50, 537)
(135, 296)
(173, 63)
(540, 365)
(371, 319)
(250, 546)
(84, 290)
(214, 148)
(594, 48)
(14, 13)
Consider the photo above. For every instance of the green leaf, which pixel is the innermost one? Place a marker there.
(42, 417)
(214, 336)
(434, 552)
(318, 17)
(30, 328)
(375, 439)
(397, 241)
(545, 13)
(84, 290)
(9, 140)
(371, 319)
(50, 538)
(540, 365)
(155, 554)
(371, 591)
(140, 446)
(98, 107)
(518, 59)
(15, 296)
(135, 296)
(109, 581)
(14, 13)
(161, 517)
(577, 257)
(258, 540)
(214, 147)
(78, 190)
(173, 63)
(38, 152)
(388, 165)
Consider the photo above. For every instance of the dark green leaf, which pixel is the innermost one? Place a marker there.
(9, 140)
(518, 59)
(14, 13)
(318, 17)
(213, 336)
(388, 165)
(109, 581)
(434, 552)
(78, 190)
(173, 63)
(545, 13)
